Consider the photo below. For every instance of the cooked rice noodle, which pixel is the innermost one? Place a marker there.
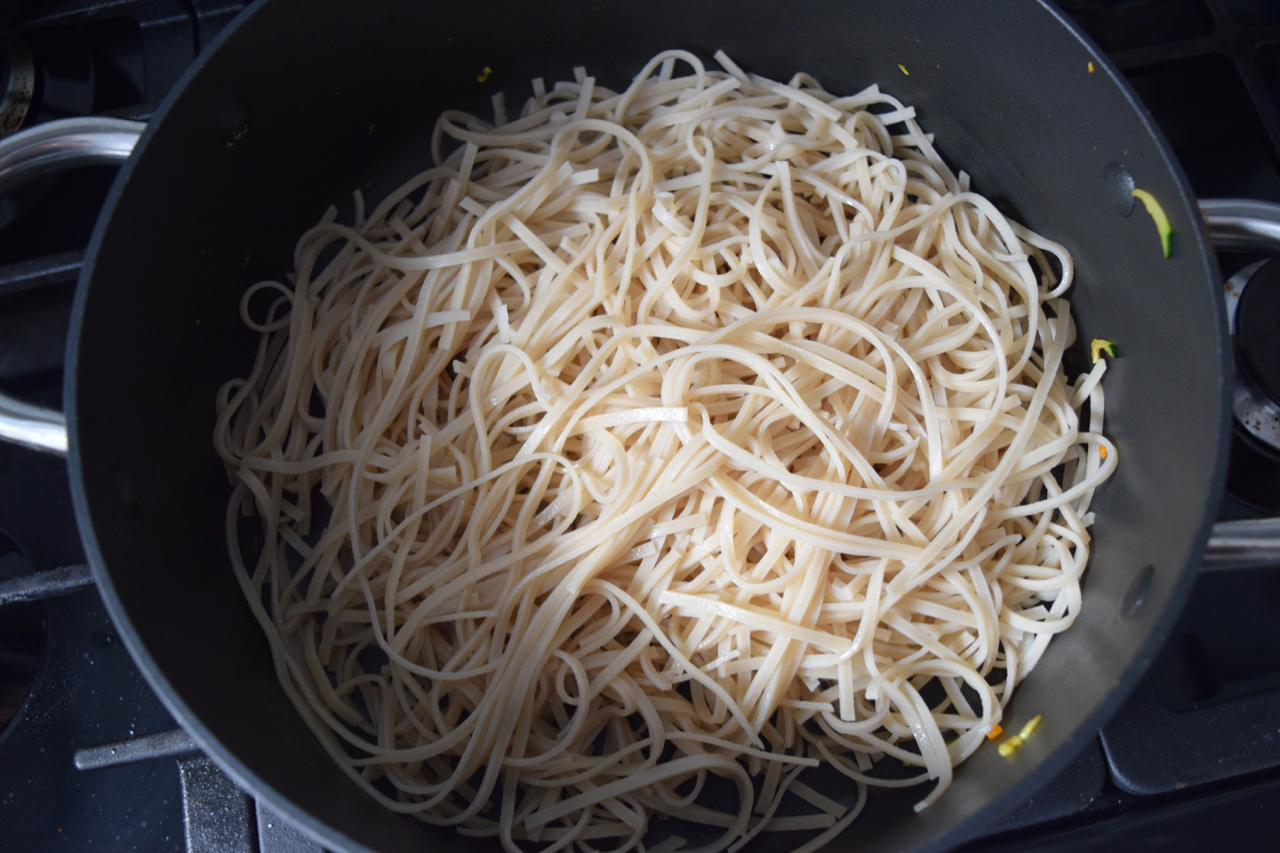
(707, 430)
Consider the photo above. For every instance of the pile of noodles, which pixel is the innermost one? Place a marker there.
(669, 440)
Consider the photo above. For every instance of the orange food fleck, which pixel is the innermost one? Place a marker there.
(1102, 451)
(995, 732)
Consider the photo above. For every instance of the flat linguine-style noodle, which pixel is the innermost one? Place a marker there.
(673, 439)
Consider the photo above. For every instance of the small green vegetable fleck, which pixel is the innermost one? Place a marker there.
(1099, 346)
(1157, 214)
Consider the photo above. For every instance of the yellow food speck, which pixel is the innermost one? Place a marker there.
(995, 732)
(903, 69)
(1090, 67)
(484, 75)
(1010, 746)
(1102, 451)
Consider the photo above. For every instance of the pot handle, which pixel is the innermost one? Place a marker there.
(1242, 225)
(1243, 544)
(31, 154)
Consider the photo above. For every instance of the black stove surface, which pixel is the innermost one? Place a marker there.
(1191, 762)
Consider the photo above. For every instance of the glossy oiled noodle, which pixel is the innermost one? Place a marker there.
(713, 428)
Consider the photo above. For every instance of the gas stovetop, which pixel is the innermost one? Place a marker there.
(91, 760)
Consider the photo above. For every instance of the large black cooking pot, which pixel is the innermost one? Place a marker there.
(302, 101)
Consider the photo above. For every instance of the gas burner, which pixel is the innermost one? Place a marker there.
(44, 75)
(22, 638)
(65, 76)
(1257, 331)
(1253, 310)
(18, 79)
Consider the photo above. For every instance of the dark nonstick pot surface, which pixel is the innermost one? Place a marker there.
(304, 101)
